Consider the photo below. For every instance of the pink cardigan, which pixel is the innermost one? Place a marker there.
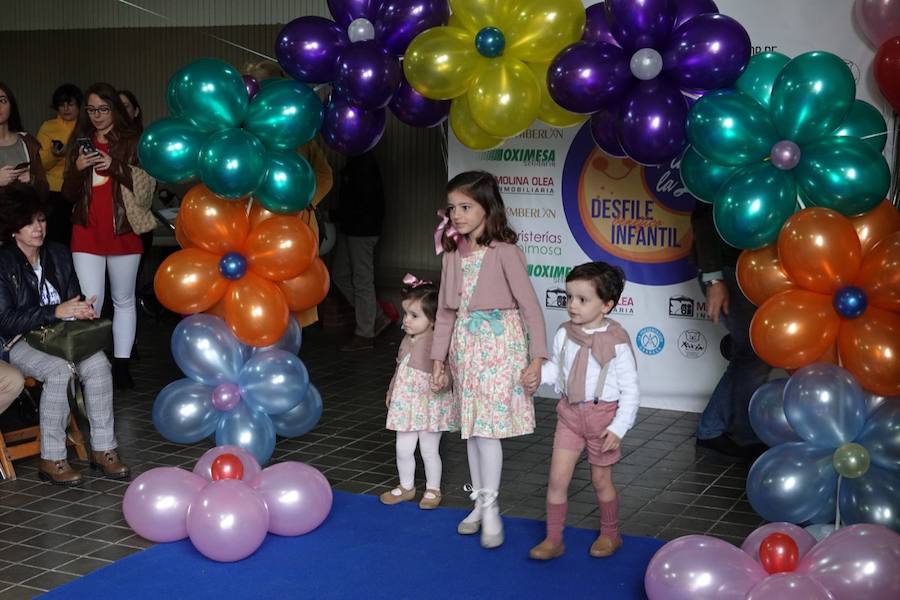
(502, 283)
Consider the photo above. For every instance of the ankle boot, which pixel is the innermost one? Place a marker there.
(122, 374)
(110, 464)
(58, 472)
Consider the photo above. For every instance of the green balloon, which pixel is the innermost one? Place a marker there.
(845, 174)
(284, 114)
(865, 122)
(730, 128)
(811, 96)
(701, 177)
(209, 93)
(289, 184)
(851, 461)
(759, 76)
(753, 205)
(232, 163)
(169, 150)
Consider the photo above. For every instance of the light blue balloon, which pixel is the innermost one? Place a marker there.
(872, 498)
(289, 342)
(273, 381)
(249, 429)
(881, 436)
(828, 511)
(183, 412)
(302, 418)
(206, 350)
(791, 482)
(820, 531)
(825, 405)
(767, 414)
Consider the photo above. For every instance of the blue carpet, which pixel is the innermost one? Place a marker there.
(366, 550)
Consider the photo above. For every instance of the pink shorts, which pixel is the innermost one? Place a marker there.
(580, 425)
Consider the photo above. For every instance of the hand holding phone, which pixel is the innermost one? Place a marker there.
(22, 166)
(86, 147)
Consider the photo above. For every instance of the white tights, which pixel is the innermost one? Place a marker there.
(429, 445)
(485, 468)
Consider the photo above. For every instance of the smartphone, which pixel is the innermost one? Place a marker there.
(22, 165)
(85, 146)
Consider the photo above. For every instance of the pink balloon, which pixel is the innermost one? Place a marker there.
(878, 19)
(804, 539)
(228, 521)
(203, 468)
(859, 562)
(789, 585)
(695, 567)
(156, 503)
(298, 496)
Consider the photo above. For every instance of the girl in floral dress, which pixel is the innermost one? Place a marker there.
(485, 306)
(416, 412)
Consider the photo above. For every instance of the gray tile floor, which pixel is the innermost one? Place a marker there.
(50, 535)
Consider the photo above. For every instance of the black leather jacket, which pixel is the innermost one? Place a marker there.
(20, 299)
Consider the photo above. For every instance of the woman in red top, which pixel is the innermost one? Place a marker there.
(102, 149)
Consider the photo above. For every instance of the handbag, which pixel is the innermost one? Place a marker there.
(138, 202)
(72, 341)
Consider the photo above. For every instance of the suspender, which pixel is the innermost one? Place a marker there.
(601, 379)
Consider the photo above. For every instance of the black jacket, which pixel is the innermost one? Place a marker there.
(360, 209)
(20, 300)
(710, 252)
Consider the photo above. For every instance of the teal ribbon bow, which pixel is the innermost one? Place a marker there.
(491, 317)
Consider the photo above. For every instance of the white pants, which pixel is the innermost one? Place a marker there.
(91, 270)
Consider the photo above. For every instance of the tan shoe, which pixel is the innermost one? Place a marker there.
(604, 546)
(58, 472)
(430, 499)
(108, 462)
(397, 495)
(547, 550)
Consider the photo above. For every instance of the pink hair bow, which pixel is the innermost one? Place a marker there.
(412, 281)
(445, 227)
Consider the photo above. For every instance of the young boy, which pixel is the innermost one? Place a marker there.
(593, 368)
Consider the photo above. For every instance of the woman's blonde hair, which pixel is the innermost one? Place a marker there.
(264, 69)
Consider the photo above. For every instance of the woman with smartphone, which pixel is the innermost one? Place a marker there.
(99, 164)
(19, 151)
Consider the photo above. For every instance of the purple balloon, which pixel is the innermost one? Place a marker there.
(640, 24)
(228, 521)
(251, 84)
(351, 130)
(804, 539)
(226, 396)
(203, 468)
(603, 130)
(785, 155)
(414, 109)
(156, 503)
(789, 585)
(298, 496)
(860, 562)
(345, 11)
(308, 48)
(586, 77)
(596, 27)
(652, 122)
(399, 21)
(367, 75)
(688, 9)
(708, 52)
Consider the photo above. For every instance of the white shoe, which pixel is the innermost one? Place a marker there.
(492, 524)
(472, 523)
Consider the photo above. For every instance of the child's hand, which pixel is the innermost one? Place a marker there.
(438, 379)
(531, 377)
(610, 441)
(387, 400)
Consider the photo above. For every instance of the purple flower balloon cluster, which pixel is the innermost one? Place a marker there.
(358, 52)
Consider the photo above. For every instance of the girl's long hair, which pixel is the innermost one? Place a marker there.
(482, 187)
(14, 123)
(84, 128)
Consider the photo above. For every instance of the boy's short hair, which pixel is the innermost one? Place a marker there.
(608, 280)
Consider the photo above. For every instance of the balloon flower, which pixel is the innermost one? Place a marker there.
(244, 396)
(789, 129)
(779, 561)
(834, 301)
(235, 145)
(228, 504)
(492, 63)
(634, 66)
(258, 273)
(358, 52)
(825, 444)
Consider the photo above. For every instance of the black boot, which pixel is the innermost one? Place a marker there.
(121, 374)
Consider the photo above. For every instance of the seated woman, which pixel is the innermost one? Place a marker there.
(38, 286)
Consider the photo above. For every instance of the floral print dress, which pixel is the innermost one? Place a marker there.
(414, 407)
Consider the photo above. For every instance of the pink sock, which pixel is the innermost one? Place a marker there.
(556, 521)
(609, 518)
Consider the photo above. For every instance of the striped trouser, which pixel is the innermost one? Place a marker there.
(54, 373)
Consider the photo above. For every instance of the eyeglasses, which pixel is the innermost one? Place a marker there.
(91, 110)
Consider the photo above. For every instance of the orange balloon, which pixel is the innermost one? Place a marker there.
(218, 309)
(760, 275)
(258, 214)
(180, 236)
(188, 281)
(876, 224)
(280, 248)
(870, 349)
(879, 276)
(819, 250)
(256, 310)
(307, 289)
(794, 328)
(213, 223)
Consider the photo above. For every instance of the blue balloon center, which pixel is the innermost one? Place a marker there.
(233, 266)
(850, 302)
(490, 42)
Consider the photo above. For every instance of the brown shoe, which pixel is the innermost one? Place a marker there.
(430, 499)
(402, 495)
(108, 462)
(605, 546)
(547, 550)
(58, 472)
(358, 343)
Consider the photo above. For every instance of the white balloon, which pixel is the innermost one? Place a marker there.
(361, 30)
(646, 63)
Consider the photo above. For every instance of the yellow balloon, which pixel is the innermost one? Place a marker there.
(467, 131)
(536, 30)
(505, 97)
(477, 14)
(455, 21)
(550, 112)
(441, 62)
